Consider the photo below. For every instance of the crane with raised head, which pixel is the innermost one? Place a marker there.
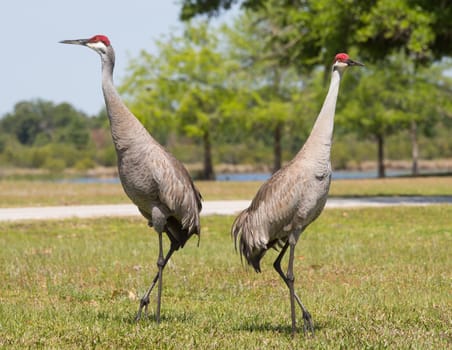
(156, 182)
(293, 197)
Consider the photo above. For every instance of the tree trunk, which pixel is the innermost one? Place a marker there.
(381, 157)
(277, 151)
(208, 173)
(414, 149)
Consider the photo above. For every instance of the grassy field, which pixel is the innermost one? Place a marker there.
(371, 278)
(40, 193)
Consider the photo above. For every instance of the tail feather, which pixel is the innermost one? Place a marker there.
(177, 234)
(240, 231)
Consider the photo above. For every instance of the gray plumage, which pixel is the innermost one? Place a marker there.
(156, 182)
(293, 197)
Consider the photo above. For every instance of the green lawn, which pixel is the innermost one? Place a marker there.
(371, 278)
(14, 193)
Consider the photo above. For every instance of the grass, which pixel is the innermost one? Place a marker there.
(403, 186)
(15, 193)
(371, 278)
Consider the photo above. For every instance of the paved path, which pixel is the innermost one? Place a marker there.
(209, 207)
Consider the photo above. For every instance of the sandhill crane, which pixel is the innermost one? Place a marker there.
(293, 197)
(155, 181)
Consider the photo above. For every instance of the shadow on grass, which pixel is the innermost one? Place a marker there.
(253, 326)
(129, 318)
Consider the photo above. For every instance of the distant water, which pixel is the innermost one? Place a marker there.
(337, 175)
(92, 180)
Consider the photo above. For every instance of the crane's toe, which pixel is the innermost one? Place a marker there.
(308, 324)
(144, 302)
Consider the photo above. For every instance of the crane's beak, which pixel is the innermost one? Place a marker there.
(75, 42)
(354, 63)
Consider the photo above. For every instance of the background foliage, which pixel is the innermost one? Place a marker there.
(248, 92)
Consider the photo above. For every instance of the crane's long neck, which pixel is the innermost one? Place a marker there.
(320, 139)
(125, 127)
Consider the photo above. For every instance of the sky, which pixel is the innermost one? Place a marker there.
(34, 65)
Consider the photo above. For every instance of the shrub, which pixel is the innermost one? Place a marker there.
(84, 164)
(54, 165)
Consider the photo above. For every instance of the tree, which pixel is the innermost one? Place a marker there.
(24, 122)
(40, 133)
(387, 100)
(40, 122)
(428, 98)
(311, 31)
(192, 8)
(272, 90)
(381, 27)
(187, 84)
(381, 97)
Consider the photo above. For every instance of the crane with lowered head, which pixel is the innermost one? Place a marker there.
(156, 182)
(293, 197)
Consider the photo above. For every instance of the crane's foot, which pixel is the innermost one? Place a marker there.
(308, 326)
(144, 302)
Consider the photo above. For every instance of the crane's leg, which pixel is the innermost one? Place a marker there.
(144, 302)
(289, 281)
(160, 264)
(158, 221)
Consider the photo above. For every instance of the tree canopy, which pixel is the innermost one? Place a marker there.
(188, 82)
(40, 133)
(233, 94)
(306, 33)
(39, 122)
(315, 29)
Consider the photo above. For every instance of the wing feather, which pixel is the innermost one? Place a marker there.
(178, 192)
(152, 177)
(270, 218)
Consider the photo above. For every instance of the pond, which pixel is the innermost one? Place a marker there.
(337, 175)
